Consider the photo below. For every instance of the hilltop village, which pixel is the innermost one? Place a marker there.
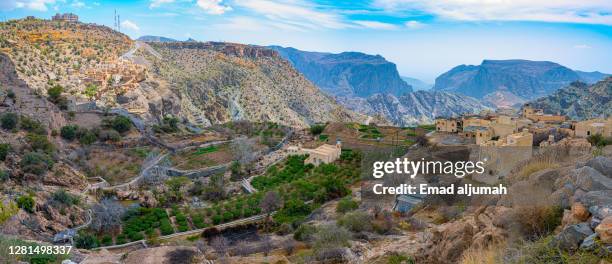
(525, 128)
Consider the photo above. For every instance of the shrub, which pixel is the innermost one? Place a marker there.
(36, 163)
(86, 241)
(9, 120)
(65, 198)
(304, 232)
(346, 204)
(4, 175)
(121, 239)
(217, 219)
(106, 240)
(165, 227)
(32, 125)
(357, 221)
(7, 210)
(26, 203)
(69, 132)
(317, 129)
(538, 221)
(4, 150)
(121, 124)
(599, 141)
(40, 142)
(88, 138)
(331, 236)
(55, 92)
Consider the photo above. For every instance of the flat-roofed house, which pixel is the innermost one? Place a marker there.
(323, 154)
(594, 127)
(451, 125)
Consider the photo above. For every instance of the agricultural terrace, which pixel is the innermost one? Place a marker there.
(201, 157)
(116, 166)
(301, 188)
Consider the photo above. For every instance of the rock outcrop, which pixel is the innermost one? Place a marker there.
(579, 101)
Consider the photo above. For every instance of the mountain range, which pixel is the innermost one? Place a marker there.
(579, 100)
(371, 85)
(149, 38)
(347, 74)
(510, 82)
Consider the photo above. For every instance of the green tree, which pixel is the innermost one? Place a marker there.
(69, 132)
(175, 185)
(36, 163)
(4, 150)
(317, 129)
(121, 124)
(40, 142)
(26, 203)
(55, 92)
(9, 120)
(91, 90)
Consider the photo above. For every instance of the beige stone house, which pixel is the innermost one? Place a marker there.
(593, 127)
(323, 154)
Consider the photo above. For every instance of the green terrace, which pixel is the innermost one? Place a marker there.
(301, 187)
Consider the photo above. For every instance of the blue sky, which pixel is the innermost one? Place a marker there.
(423, 37)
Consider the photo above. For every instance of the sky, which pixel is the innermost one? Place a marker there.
(425, 38)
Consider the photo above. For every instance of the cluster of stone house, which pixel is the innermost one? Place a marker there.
(323, 154)
(66, 17)
(500, 129)
(120, 76)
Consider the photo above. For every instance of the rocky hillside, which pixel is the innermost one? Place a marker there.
(46, 52)
(420, 107)
(219, 82)
(579, 100)
(508, 82)
(347, 74)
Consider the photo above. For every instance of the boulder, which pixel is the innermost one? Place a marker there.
(596, 198)
(589, 242)
(568, 219)
(601, 164)
(604, 230)
(589, 179)
(580, 212)
(572, 236)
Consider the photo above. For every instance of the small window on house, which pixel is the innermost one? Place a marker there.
(588, 133)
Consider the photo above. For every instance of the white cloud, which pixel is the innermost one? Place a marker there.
(129, 25)
(158, 3)
(413, 24)
(294, 13)
(77, 4)
(569, 11)
(36, 5)
(213, 7)
(582, 46)
(375, 25)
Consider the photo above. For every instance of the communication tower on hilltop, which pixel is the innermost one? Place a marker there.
(117, 24)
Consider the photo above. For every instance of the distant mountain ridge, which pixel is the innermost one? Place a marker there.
(419, 107)
(149, 38)
(417, 84)
(520, 80)
(347, 73)
(579, 101)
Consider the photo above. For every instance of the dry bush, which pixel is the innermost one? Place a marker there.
(538, 220)
(490, 255)
(532, 167)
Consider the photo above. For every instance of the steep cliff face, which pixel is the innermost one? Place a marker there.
(521, 78)
(579, 101)
(219, 82)
(420, 107)
(347, 73)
